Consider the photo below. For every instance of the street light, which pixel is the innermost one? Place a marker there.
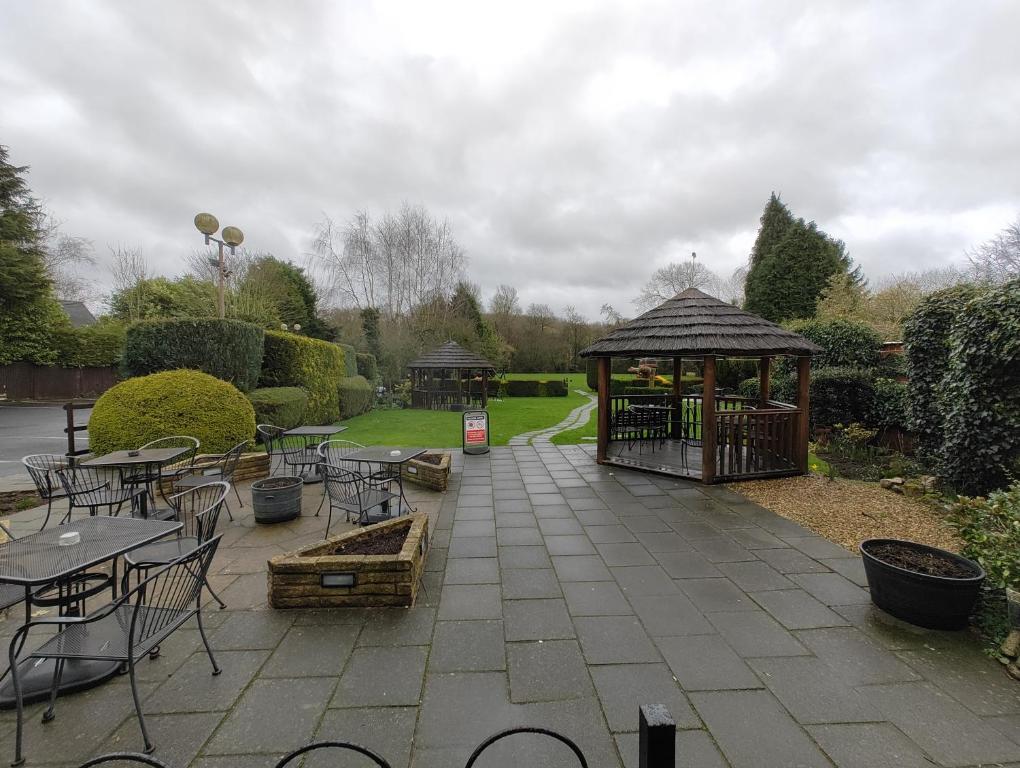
(232, 237)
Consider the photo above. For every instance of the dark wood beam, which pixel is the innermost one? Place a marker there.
(764, 372)
(708, 457)
(804, 404)
(602, 446)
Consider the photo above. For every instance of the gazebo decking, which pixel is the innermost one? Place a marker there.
(708, 437)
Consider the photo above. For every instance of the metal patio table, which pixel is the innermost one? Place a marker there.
(39, 560)
(148, 459)
(391, 458)
(310, 431)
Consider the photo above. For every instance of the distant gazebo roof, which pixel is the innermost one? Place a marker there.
(451, 355)
(696, 324)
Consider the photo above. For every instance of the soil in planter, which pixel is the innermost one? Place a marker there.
(431, 458)
(928, 563)
(389, 543)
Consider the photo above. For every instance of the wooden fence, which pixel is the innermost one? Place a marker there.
(24, 381)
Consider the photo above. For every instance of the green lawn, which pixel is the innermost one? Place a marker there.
(441, 429)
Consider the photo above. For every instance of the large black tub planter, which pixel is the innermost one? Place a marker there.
(899, 585)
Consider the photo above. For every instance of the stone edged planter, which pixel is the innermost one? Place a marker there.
(935, 602)
(311, 577)
(277, 499)
(428, 475)
(251, 466)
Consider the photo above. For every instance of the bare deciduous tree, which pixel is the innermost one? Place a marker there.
(998, 260)
(672, 279)
(64, 257)
(505, 302)
(130, 270)
(396, 265)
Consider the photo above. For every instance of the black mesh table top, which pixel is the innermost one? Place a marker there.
(40, 559)
(313, 431)
(145, 456)
(381, 454)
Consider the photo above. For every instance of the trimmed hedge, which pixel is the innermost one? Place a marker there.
(523, 388)
(889, 410)
(554, 388)
(350, 359)
(227, 349)
(841, 396)
(356, 396)
(91, 346)
(298, 361)
(183, 402)
(281, 406)
(368, 366)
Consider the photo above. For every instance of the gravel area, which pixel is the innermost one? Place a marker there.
(849, 511)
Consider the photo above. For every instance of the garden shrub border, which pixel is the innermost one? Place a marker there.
(299, 361)
(281, 406)
(356, 396)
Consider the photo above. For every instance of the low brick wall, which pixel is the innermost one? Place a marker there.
(295, 579)
(433, 476)
(251, 466)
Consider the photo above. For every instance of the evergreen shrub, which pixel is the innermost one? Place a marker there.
(368, 366)
(356, 396)
(227, 349)
(298, 361)
(280, 406)
(183, 402)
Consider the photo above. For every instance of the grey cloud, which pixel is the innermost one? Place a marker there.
(574, 148)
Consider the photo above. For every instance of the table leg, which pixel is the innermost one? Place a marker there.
(400, 485)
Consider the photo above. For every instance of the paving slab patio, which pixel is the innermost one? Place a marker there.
(560, 594)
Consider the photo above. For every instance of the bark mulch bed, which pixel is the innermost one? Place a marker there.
(389, 543)
(15, 501)
(849, 511)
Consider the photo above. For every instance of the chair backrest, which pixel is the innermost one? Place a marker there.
(178, 441)
(342, 485)
(526, 729)
(42, 467)
(198, 509)
(124, 757)
(269, 434)
(168, 597)
(334, 451)
(231, 458)
(324, 745)
(81, 483)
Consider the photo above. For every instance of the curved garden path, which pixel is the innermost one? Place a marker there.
(576, 418)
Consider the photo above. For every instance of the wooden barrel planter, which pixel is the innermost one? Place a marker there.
(276, 499)
(923, 585)
(430, 470)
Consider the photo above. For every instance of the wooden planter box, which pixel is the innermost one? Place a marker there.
(251, 466)
(434, 476)
(305, 578)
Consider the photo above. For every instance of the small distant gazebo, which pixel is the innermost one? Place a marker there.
(450, 378)
(709, 437)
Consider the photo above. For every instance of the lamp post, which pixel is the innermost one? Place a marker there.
(232, 237)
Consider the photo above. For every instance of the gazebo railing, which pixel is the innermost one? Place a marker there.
(752, 440)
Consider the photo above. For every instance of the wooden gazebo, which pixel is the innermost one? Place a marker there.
(450, 378)
(708, 437)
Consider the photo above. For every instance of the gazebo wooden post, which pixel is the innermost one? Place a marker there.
(708, 432)
(485, 387)
(764, 372)
(804, 404)
(674, 427)
(602, 446)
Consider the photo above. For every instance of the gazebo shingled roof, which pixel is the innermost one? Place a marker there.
(696, 324)
(451, 355)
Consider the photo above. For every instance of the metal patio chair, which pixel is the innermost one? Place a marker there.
(350, 493)
(124, 757)
(295, 452)
(43, 467)
(198, 510)
(221, 469)
(335, 452)
(324, 745)
(92, 488)
(166, 475)
(526, 729)
(124, 630)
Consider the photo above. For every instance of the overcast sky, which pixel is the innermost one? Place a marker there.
(574, 147)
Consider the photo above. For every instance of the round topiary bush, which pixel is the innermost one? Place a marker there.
(171, 403)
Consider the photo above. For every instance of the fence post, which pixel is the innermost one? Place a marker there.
(657, 737)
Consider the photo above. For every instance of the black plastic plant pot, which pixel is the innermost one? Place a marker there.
(935, 602)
